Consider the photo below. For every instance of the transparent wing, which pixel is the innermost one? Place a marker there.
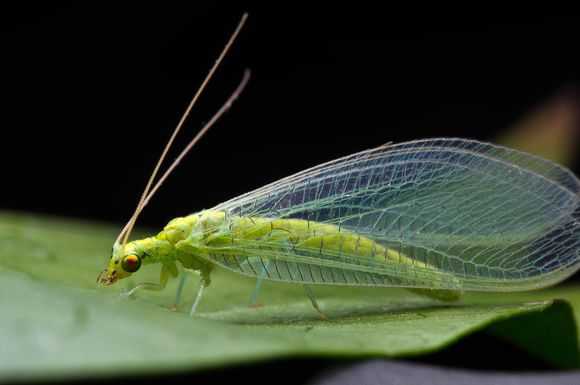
(492, 217)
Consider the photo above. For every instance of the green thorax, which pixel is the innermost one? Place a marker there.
(167, 246)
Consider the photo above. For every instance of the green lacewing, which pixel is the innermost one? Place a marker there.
(437, 216)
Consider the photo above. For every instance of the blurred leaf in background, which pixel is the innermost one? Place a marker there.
(551, 130)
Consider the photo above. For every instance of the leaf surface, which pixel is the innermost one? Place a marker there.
(56, 324)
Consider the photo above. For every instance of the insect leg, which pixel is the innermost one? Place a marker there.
(202, 285)
(182, 280)
(274, 235)
(166, 272)
(310, 295)
(254, 296)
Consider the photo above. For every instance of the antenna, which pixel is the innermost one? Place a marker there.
(148, 192)
(224, 108)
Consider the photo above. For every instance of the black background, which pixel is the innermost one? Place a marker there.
(90, 92)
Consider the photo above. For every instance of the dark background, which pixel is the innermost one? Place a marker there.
(90, 92)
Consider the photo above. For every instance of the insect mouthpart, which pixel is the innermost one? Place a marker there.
(106, 279)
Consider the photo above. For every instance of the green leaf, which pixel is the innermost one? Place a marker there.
(56, 324)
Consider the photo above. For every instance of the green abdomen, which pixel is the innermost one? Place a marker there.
(301, 251)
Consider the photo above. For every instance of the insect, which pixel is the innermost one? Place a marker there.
(436, 216)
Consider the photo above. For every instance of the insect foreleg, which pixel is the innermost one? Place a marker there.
(166, 272)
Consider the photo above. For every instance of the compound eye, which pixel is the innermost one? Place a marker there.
(131, 263)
